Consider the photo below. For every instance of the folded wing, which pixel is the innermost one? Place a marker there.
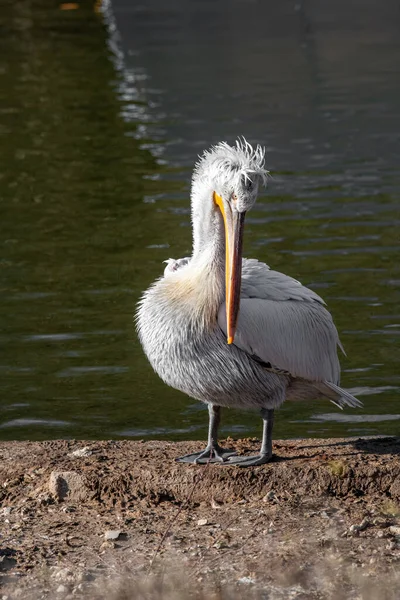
(286, 325)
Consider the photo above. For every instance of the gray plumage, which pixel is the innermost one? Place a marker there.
(285, 345)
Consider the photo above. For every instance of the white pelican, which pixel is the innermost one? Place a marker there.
(229, 331)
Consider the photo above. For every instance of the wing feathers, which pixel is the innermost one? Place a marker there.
(338, 395)
(285, 324)
(298, 337)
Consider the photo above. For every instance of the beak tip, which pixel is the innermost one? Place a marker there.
(230, 339)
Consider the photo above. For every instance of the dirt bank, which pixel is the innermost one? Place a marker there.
(320, 521)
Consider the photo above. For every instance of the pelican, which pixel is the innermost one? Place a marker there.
(230, 331)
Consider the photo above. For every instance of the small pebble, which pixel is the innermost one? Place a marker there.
(269, 496)
(247, 580)
(380, 533)
(215, 504)
(107, 546)
(112, 534)
(202, 522)
(81, 452)
(394, 529)
(62, 589)
(391, 546)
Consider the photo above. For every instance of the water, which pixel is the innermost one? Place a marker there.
(103, 110)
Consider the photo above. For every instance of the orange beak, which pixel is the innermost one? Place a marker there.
(234, 226)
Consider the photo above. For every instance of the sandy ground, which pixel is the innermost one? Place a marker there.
(123, 520)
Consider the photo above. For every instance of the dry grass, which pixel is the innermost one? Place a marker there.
(338, 468)
(390, 509)
(326, 578)
(323, 582)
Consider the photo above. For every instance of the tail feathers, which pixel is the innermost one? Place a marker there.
(338, 395)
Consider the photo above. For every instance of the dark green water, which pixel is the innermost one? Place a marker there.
(102, 115)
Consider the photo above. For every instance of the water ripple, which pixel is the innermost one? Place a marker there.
(347, 418)
(34, 422)
(106, 370)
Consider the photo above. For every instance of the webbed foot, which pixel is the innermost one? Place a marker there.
(249, 461)
(212, 454)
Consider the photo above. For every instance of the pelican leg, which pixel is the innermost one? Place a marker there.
(214, 452)
(266, 445)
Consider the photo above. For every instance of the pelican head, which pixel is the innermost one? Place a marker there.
(225, 186)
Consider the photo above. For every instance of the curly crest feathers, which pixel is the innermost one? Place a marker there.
(223, 160)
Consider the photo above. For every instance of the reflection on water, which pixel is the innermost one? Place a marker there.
(101, 118)
(342, 418)
(42, 423)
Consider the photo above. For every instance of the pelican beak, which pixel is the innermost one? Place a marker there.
(234, 226)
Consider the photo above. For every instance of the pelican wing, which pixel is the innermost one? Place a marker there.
(285, 324)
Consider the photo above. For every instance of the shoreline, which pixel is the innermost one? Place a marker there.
(319, 502)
